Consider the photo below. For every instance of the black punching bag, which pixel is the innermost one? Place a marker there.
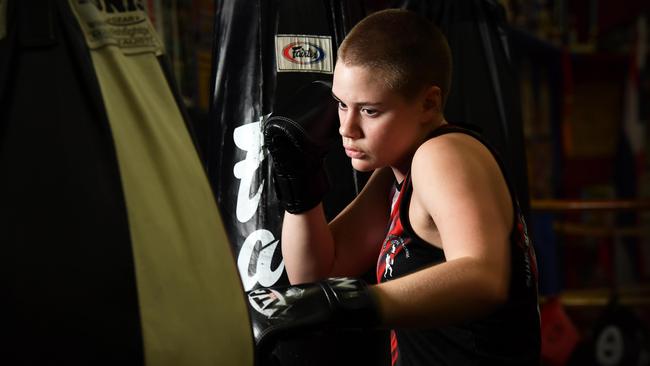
(264, 51)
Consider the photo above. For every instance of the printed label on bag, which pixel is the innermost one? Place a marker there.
(303, 53)
(124, 24)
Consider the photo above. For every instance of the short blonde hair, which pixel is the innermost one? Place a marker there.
(409, 52)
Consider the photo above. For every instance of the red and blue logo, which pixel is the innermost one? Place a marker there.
(303, 53)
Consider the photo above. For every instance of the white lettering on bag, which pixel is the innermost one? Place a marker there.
(248, 137)
(263, 254)
(254, 260)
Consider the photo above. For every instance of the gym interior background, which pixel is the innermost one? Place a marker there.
(584, 89)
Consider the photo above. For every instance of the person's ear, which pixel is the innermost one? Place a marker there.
(432, 101)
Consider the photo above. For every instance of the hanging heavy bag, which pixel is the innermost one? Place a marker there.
(620, 338)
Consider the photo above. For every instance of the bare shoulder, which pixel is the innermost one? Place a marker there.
(451, 152)
(455, 171)
(458, 183)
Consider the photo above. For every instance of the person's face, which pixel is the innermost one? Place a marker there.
(379, 127)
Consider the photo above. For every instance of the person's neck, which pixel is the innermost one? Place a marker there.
(399, 174)
(441, 122)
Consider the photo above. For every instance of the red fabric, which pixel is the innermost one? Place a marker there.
(394, 350)
(559, 334)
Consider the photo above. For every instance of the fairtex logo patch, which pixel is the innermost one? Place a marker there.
(303, 53)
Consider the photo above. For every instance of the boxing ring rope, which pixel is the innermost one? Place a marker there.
(551, 205)
(629, 296)
(636, 295)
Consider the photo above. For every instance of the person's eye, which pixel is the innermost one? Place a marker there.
(342, 106)
(370, 112)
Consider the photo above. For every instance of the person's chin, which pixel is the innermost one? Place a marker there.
(362, 165)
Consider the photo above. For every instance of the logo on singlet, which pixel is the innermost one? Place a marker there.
(397, 243)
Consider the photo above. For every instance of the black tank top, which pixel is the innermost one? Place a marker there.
(510, 335)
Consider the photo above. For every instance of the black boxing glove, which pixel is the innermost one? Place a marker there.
(297, 137)
(336, 303)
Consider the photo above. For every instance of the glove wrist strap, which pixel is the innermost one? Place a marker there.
(300, 193)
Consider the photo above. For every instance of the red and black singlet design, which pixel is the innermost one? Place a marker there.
(507, 336)
(395, 240)
(393, 245)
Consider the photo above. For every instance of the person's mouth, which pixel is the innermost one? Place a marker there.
(353, 153)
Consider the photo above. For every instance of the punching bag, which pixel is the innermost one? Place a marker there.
(113, 250)
(264, 52)
(258, 65)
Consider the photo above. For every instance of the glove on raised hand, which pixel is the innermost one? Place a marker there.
(298, 136)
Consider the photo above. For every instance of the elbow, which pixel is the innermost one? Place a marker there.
(302, 275)
(500, 294)
(494, 279)
(495, 292)
(299, 278)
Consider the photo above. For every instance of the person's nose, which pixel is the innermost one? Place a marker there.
(349, 124)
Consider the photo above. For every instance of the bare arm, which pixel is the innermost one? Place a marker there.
(313, 249)
(459, 185)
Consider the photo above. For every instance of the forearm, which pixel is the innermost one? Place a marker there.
(307, 246)
(443, 294)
